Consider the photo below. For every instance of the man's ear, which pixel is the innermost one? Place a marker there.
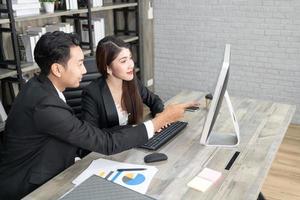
(56, 69)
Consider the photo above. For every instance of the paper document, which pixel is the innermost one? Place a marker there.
(135, 177)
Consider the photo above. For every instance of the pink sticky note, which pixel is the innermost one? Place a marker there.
(204, 179)
(210, 174)
(200, 184)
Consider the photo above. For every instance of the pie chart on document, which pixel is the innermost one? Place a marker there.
(133, 178)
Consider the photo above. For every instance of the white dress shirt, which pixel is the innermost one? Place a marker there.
(61, 95)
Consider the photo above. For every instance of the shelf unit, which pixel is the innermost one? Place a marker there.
(28, 67)
(6, 8)
(81, 13)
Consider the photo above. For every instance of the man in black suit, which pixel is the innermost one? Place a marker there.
(42, 133)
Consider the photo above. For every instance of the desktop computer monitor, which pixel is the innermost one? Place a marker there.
(208, 137)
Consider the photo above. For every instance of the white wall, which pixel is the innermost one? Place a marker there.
(190, 36)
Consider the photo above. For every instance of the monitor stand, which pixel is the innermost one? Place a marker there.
(226, 139)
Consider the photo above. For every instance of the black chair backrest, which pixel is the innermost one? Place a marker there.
(73, 95)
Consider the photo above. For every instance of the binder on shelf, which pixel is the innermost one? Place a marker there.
(21, 50)
(65, 27)
(97, 3)
(73, 5)
(63, 5)
(36, 30)
(98, 30)
(53, 27)
(29, 42)
(67, 4)
(94, 3)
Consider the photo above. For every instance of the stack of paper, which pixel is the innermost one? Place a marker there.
(25, 7)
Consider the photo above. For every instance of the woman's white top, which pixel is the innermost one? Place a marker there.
(123, 120)
(123, 115)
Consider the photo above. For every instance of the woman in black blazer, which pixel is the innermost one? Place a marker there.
(117, 97)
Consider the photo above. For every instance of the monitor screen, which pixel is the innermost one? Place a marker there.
(219, 102)
(218, 95)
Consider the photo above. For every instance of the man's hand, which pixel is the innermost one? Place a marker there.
(170, 114)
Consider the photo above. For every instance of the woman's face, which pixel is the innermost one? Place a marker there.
(122, 67)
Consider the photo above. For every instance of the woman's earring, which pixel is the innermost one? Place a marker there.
(109, 71)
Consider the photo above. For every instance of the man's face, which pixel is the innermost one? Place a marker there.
(74, 69)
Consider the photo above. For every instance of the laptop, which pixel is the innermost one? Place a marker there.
(97, 188)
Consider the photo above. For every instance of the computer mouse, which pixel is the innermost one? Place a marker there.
(154, 157)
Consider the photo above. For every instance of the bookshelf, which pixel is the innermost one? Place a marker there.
(58, 13)
(107, 6)
(116, 8)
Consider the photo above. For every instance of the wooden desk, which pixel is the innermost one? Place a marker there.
(262, 126)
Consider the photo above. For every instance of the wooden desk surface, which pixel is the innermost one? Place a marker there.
(262, 127)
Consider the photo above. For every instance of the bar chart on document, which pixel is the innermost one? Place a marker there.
(127, 178)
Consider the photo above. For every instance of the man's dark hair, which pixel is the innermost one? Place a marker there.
(54, 48)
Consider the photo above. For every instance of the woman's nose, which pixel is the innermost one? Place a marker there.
(131, 64)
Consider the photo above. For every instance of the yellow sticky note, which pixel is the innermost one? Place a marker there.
(101, 174)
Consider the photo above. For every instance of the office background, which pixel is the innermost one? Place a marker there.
(189, 41)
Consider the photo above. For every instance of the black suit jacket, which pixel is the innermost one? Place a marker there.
(98, 107)
(42, 135)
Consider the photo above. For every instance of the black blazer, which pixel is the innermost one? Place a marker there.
(42, 135)
(98, 107)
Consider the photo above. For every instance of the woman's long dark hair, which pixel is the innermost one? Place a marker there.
(107, 50)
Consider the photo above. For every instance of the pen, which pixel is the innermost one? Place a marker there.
(131, 169)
